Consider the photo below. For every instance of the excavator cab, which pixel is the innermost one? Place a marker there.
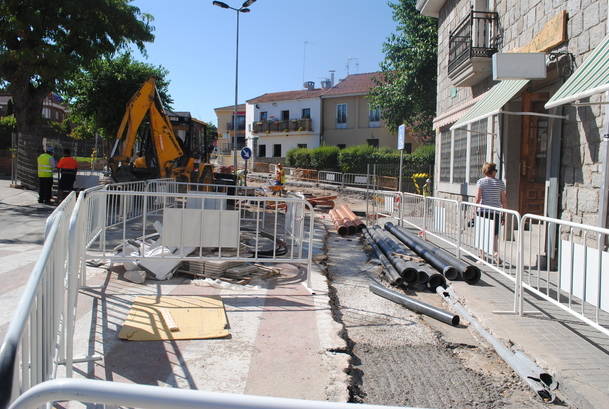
(158, 141)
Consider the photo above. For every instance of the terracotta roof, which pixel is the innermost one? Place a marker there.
(354, 84)
(240, 107)
(287, 95)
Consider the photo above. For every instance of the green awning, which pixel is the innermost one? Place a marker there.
(592, 77)
(492, 102)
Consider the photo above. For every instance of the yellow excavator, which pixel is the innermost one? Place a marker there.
(163, 154)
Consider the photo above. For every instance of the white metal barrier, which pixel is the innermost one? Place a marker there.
(35, 342)
(563, 262)
(414, 211)
(157, 397)
(385, 204)
(358, 179)
(492, 236)
(442, 219)
(333, 178)
(577, 283)
(199, 225)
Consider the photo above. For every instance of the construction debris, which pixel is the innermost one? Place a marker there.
(135, 276)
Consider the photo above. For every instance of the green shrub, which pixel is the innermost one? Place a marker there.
(425, 153)
(325, 158)
(299, 158)
(354, 158)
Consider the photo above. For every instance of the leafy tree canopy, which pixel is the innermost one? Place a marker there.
(407, 93)
(98, 95)
(43, 42)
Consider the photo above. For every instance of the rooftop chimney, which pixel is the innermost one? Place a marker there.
(332, 77)
(310, 85)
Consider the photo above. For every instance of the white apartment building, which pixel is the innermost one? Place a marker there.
(279, 121)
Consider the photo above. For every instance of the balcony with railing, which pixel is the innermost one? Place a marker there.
(471, 46)
(283, 126)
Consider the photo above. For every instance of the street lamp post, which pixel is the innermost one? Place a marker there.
(243, 9)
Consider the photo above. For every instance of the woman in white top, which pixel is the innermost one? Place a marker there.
(491, 192)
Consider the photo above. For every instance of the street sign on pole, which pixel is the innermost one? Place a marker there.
(246, 153)
(401, 136)
(401, 139)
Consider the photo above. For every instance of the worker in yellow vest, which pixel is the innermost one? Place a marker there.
(46, 164)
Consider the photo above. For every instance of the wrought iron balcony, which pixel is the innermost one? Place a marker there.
(471, 45)
(285, 126)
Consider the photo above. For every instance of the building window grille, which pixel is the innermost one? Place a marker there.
(445, 156)
(460, 155)
(477, 151)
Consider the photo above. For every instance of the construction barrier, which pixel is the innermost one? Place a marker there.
(557, 260)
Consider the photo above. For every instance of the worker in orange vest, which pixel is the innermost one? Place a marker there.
(68, 166)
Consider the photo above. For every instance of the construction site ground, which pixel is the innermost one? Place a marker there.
(342, 343)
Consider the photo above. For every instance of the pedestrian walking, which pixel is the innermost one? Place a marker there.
(68, 167)
(46, 164)
(491, 192)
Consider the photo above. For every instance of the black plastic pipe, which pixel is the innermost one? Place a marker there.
(471, 274)
(414, 305)
(390, 272)
(436, 280)
(422, 250)
(405, 269)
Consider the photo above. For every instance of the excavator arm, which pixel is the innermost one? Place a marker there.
(167, 149)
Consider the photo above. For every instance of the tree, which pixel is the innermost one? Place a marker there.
(43, 42)
(406, 93)
(98, 95)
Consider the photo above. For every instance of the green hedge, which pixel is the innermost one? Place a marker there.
(355, 159)
(325, 158)
(299, 158)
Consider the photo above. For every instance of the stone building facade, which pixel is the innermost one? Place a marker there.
(552, 166)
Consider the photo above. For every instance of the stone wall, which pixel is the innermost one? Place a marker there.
(519, 22)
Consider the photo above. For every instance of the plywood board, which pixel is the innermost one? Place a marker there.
(194, 317)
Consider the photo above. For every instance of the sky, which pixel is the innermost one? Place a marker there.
(195, 41)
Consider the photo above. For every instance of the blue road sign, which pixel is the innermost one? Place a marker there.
(246, 153)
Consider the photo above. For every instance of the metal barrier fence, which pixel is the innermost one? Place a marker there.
(414, 211)
(385, 204)
(357, 179)
(200, 226)
(35, 342)
(557, 260)
(334, 178)
(491, 236)
(117, 394)
(442, 220)
(577, 282)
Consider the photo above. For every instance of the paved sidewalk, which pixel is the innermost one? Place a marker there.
(283, 343)
(22, 221)
(575, 353)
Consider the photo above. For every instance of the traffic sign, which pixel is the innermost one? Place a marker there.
(401, 136)
(246, 153)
